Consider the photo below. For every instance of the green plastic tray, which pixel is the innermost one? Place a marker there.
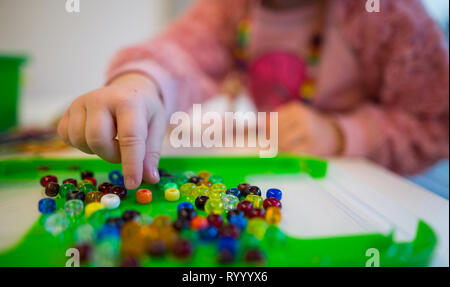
(38, 248)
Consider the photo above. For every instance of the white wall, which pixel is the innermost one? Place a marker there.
(69, 52)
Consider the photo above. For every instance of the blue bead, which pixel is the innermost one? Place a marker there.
(229, 244)
(274, 192)
(108, 231)
(185, 205)
(116, 177)
(239, 221)
(208, 233)
(47, 205)
(234, 191)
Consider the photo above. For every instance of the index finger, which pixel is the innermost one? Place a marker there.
(132, 134)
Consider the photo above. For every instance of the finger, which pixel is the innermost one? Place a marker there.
(101, 133)
(76, 128)
(156, 132)
(63, 127)
(132, 133)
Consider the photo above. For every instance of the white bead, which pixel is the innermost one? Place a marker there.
(110, 200)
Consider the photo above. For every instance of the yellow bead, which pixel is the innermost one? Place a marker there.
(216, 194)
(219, 186)
(91, 208)
(187, 188)
(172, 194)
(200, 191)
(83, 182)
(273, 215)
(257, 227)
(213, 206)
(161, 221)
(256, 200)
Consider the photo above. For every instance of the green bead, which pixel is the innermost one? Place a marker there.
(215, 179)
(170, 185)
(86, 188)
(180, 180)
(274, 236)
(163, 181)
(257, 227)
(214, 207)
(64, 189)
(256, 200)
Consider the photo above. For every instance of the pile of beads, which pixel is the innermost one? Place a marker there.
(234, 219)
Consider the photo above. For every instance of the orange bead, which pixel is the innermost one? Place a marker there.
(144, 196)
(199, 222)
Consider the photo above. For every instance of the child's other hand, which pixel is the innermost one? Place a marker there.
(304, 130)
(130, 108)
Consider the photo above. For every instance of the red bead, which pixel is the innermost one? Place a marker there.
(182, 248)
(71, 180)
(119, 190)
(86, 173)
(254, 256)
(93, 180)
(105, 187)
(229, 230)
(48, 178)
(85, 251)
(271, 201)
(52, 189)
(215, 220)
(255, 212)
(245, 206)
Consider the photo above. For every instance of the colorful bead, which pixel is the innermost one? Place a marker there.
(216, 194)
(105, 187)
(92, 180)
(245, 206)
(230, 201)
(255, 212)
(86, 173)
(163, 181)
(182, 248)
(214, 206)
(234, 212)
(119, 190)
(86, 188)
(170, 185)
(56, 223)
(115, 177)
(47, 205)
(215, 220)
(243, 187)
(75, 194)
(239, 221)
(180, 180)
(257, 227)
(208, 233)
(161, 221)
(273, 215)
(70, 180)
(91, 208)
(156, 248)
(52, 189)
(187, 188)
(200, 191)
(198, 222)
(83, 182)
(254, 190)
(253, 256)
(93, 196)
(225, 257)
(195, 179)
(275, 193)
(234, 191)
(108, 231)
(65, 188)
(200, 202)
(219, 186)
(48, 178)
(256, 200)
(229, 244)
(204, 174)
(186, 213)
(110, 201)
(185, 205)
(229, 230)
(180, 224)
(144, 196)
(172, 194)
(130, 215)
(271, 201)
(74, 208)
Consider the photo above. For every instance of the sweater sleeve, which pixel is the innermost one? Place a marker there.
(189, 59)
(405, 124)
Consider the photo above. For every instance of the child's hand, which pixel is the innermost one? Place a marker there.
(304, 130)
(129, 108)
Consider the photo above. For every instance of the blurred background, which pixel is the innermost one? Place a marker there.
(67, 53)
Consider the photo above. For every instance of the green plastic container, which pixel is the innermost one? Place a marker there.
(10, 74)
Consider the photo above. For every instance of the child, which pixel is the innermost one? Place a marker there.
(345, 82)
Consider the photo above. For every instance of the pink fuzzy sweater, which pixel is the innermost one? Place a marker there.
(394, 109)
